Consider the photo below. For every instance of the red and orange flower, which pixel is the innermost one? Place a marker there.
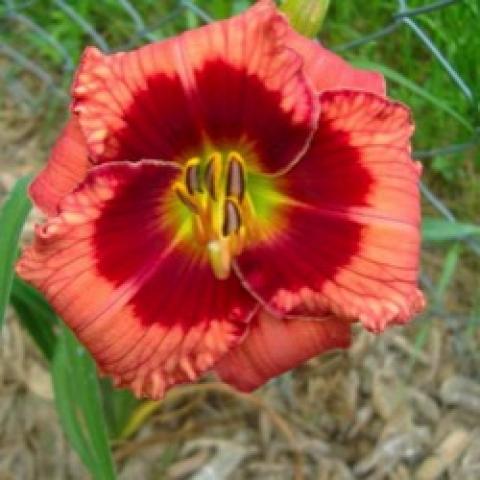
(231, 199)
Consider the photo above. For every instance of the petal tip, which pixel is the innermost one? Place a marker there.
(394, 315)
(274, 346)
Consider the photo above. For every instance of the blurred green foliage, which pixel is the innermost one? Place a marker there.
(452, 29)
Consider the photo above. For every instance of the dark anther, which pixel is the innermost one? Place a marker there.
(235, 179)
(191, 179)
(232, 220)
(210, 179)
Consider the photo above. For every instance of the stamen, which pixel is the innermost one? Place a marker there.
(191, 179)
(212, 173)
(232, 219)
(214, 189)
(186, 199)
(235, 177)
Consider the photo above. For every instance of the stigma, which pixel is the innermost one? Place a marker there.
(214, 191)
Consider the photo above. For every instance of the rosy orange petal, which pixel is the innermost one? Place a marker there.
(66, 168)
(232, 84)
(151, 314)
(328, 71)
(274, 346)
(351, 246)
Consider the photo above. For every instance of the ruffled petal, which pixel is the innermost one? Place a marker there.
(275, 346)
(66, 168)
(328, 71)
(229, 85)
(148, 309)
(351, 241)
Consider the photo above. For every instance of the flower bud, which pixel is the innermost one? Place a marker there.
(306, 16)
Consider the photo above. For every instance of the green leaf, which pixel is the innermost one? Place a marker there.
(36, 316)
(118, 405)
(398, 78)
(79, 406)
(12, 217)
(439, 230)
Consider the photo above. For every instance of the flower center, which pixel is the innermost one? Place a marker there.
(214, 191)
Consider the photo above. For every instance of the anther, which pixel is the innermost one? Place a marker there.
(212, 172)
(191, 179)
(235, 177)
(232, 219)
(186, 199)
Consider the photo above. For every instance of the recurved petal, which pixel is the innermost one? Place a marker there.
(274, 346)
(231, 84)
(149, 311)
(352, 236)
(66, 168)
(328, 71)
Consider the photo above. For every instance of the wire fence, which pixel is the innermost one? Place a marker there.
(55, 78)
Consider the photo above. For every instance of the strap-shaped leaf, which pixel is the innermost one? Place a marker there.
(36, 316)
(79, 405)
(12, 218)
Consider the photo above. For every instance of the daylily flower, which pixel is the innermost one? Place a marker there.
(228, 200)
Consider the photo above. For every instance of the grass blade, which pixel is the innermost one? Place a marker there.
(36, 316)
(12, 217)
(439, 230)
(450, 265)
(79, 405)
